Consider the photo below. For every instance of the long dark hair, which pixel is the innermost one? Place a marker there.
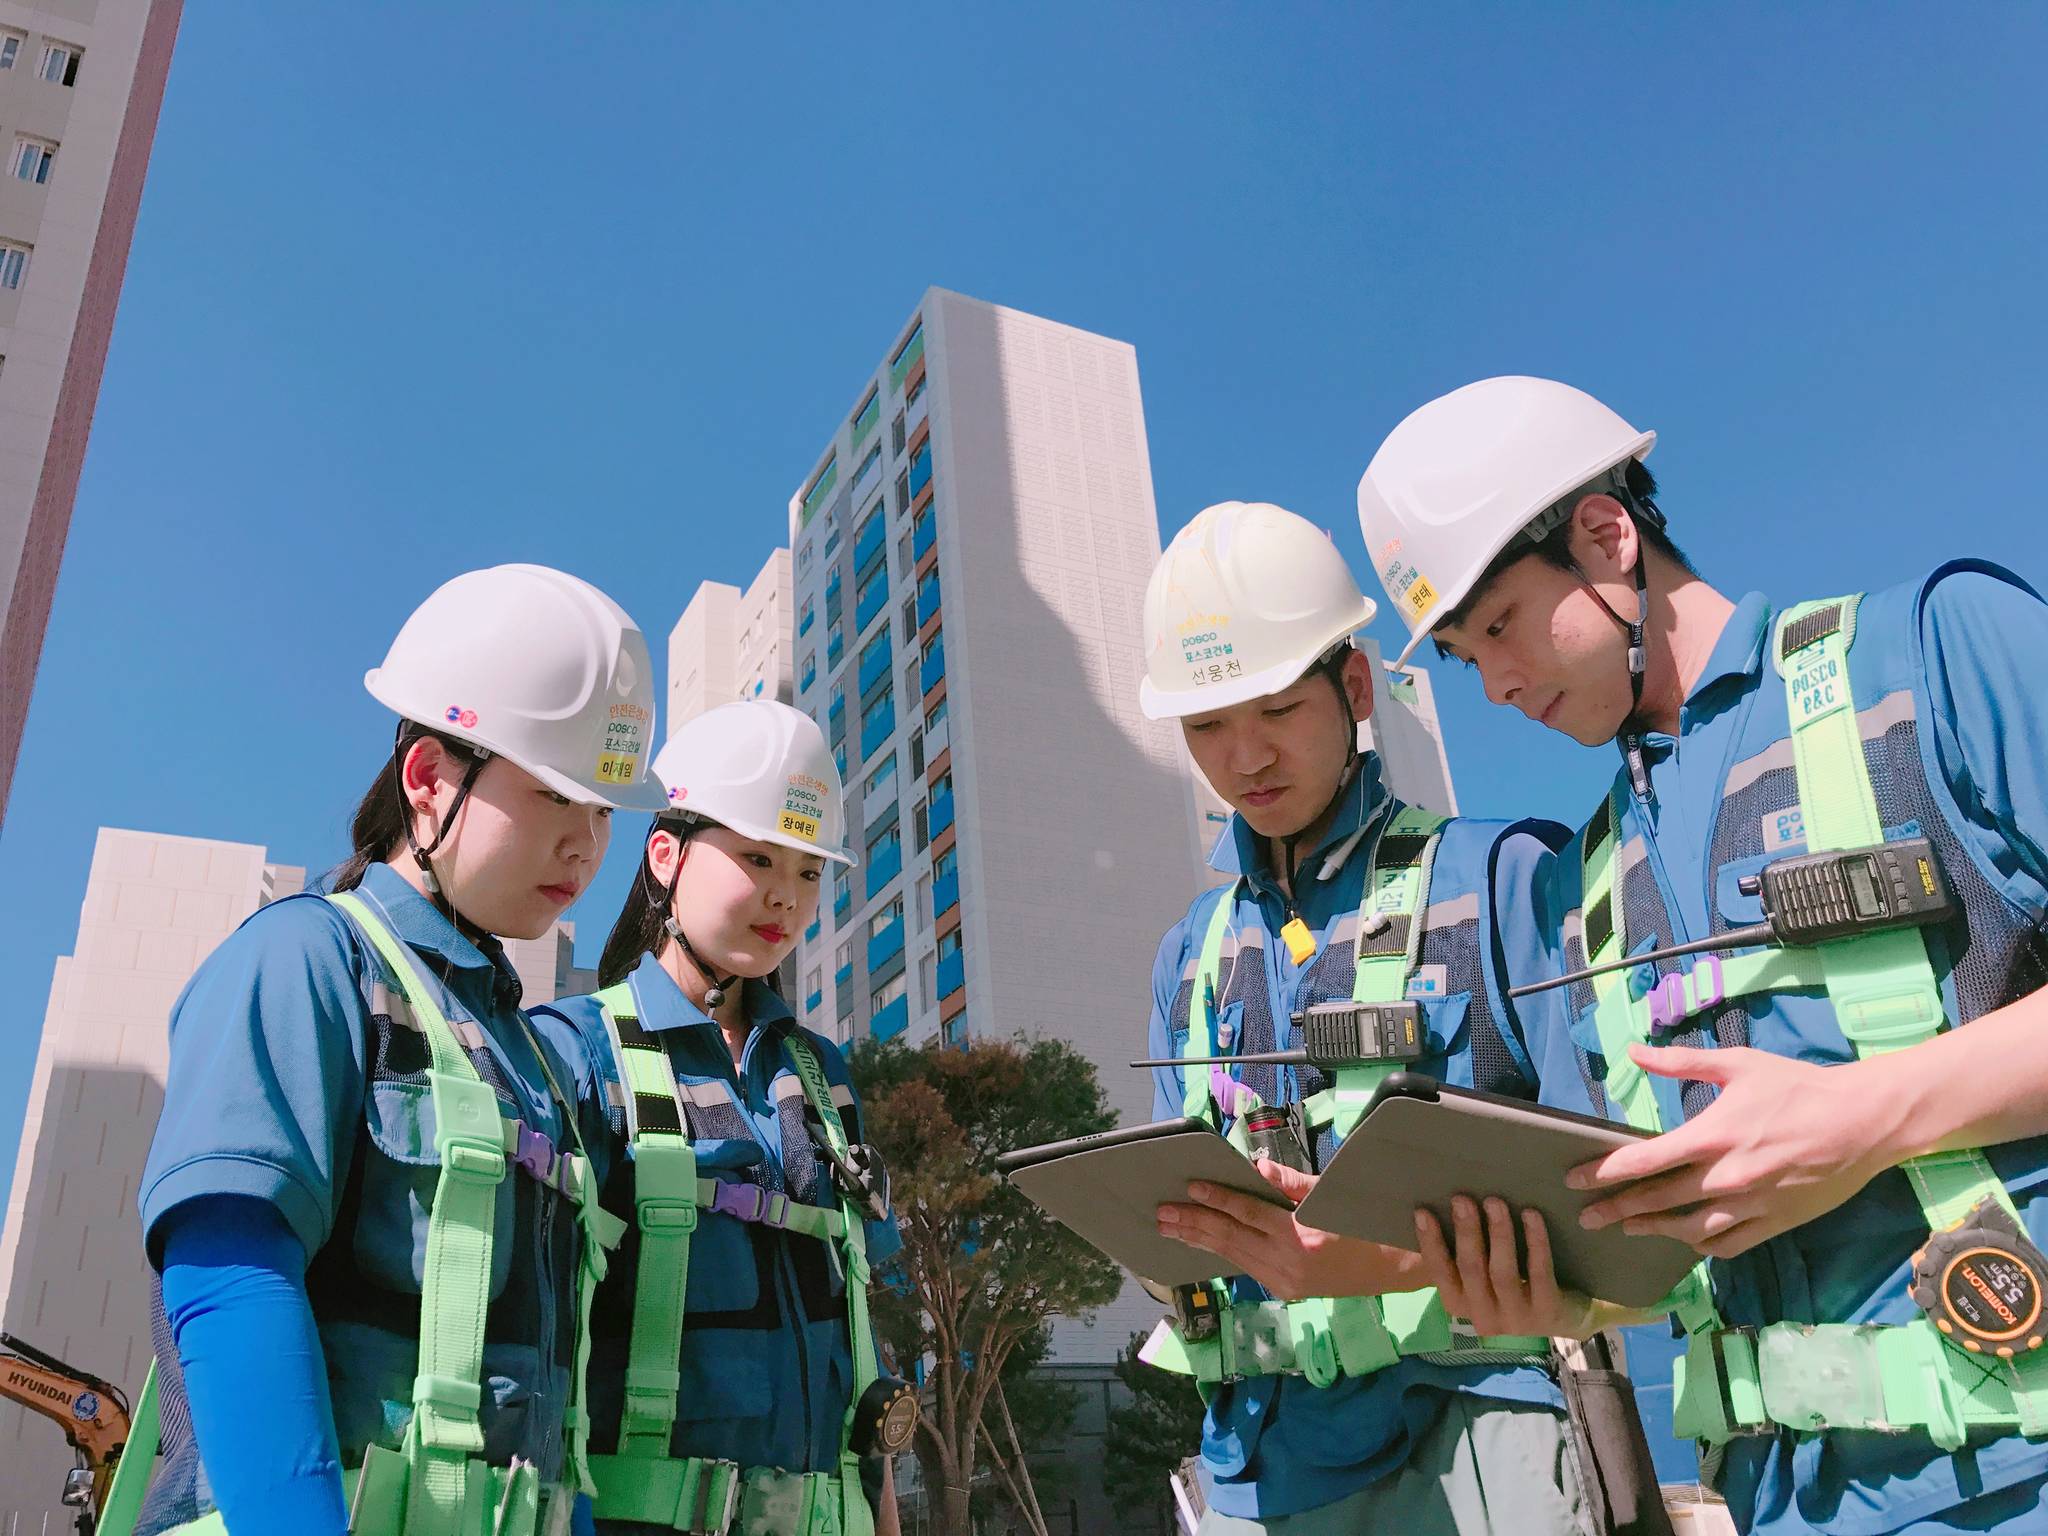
(379, 824)
(642, 924)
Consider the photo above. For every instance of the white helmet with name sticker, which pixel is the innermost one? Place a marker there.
(1244, 601)
(761, 769)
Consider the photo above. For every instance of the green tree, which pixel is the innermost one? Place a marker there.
(1158, 1429)
(982, 1270)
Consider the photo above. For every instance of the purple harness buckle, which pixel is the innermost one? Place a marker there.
(1678, 996)
(750, 1202)
(536, 1155)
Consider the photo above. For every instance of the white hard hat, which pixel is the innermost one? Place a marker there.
(541, 669)
(761, 769)
(1244, 601)
(1461, 478)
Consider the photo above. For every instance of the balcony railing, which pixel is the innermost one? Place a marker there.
(885, 866)
(953, 973)
(884, 944)
(892, 1020)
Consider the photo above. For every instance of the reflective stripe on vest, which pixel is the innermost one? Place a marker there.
(643, 1482)
(1325, 1338)
(1886, 997)
(435, 1484)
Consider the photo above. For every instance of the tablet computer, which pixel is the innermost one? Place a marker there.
(1108, 1188)
(1421, 1142)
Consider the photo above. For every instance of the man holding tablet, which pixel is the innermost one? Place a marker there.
(1343, 905)
(1852, 794)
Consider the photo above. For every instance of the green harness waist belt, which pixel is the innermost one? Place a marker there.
(1326, 1338)
(435, 1484)
(643, 1482)
(1902, 1377)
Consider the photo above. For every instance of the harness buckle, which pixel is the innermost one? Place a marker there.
(1718, 1393)
(1199, 1312)
(472, 1162)
(666, 1215)
(713, 1499)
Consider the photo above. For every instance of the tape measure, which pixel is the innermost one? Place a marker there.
(1984, 1283)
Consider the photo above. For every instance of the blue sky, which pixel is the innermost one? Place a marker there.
(422, 288)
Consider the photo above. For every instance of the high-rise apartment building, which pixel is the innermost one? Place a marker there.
(80, 85)
(731, 644)
(72, 1275)
(970, 554)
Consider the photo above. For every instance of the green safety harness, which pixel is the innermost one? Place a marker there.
(435, 1483)
(697, 1494)
(1324, 1338)
(1902, 1377)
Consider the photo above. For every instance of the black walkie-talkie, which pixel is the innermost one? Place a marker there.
(1816, 897)
(1811, 898)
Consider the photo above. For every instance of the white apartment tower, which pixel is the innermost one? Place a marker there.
(80, 85)
(970, 557)
(73, 1280)
(731, 644)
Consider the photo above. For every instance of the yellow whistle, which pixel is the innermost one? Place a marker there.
(1300, 942)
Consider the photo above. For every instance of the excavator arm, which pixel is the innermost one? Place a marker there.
(94, 1415)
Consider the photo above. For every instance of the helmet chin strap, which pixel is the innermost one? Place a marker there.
(424, 856)
(1630, 737)
(1331, 667)
(715, 991)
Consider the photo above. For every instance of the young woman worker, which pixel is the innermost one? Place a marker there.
(374, 1231)
(734, 1380)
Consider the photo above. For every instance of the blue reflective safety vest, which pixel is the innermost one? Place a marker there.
(1954, 730)
(298, 1076)
(766, 1369)
(1277, 1445)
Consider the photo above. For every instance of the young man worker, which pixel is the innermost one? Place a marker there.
(1866, 1174)
(1367, 1413)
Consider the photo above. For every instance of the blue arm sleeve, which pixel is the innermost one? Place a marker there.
(1983, 638)
(234, 1286)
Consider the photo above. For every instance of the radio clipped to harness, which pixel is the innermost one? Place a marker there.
(1815, 898)
(1335, 1035)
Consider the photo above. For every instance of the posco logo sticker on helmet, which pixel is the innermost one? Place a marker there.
(624, 732)
(802, 806)
(466, 718)
(1401, 577)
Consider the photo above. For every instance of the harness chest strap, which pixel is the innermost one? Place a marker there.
(643, 1481)
(1325, 1338)
(434, 1485)
(1812, 1377)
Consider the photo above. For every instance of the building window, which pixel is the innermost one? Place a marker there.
(803, 557)
(919, 825)
(10, 49)
(902, 492)
(946, 863)
(927, 977)
(879, 923)
(874, 713)
(882, 775)
(32, 160)
(887, 993)
(60, 64)
(909, 619)
(904, 558)
(814, 983)
(896, 435)
(13, 263)
(842, 957)
(936, 718)
(917, 751)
